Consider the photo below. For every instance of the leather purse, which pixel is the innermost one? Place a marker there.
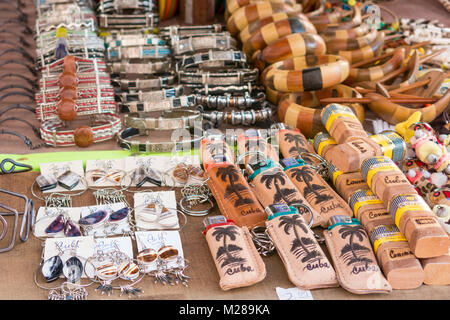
(315, 189)
(306, 264)
(356, 267)
(235, 256)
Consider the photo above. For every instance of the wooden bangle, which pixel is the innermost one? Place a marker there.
(245, 34)
(290, 46)
(395, 113)
(334, 33)
(233, 5)
(274, 96)
(274, 31)
(313, 8)
(302, 110)
(252, 12)
(329, 18)
(366, 52)
(377, 72)
(306, 73)
(354, 22)
(335, 45)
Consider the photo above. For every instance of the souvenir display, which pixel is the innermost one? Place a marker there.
(222, 136)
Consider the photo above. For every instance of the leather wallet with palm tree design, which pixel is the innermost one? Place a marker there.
(234, 197)
(315, 189)
(271, 185)
(235, 256)
(293, 144)
(305, 262)
(356, 267)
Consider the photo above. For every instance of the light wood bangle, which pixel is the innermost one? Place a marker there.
(306, 73)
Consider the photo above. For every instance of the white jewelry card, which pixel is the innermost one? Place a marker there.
(80, 247)
(158, 239)
(105, 173)
(47, 215)
(156, 210)
(56, 169)
(122, 244)
(104, 224)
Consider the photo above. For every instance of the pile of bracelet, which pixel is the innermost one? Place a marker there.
(118, 14)
(17, 71)
(74, 84)
(210, 65)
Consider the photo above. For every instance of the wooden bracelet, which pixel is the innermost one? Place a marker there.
(252, 12)
(245, 34)
(335, 33)
(313, 8)
(233, 5)
(354, 22)
(371, 50)
(395, 113)
(290, 46)
(303, 111)
(306, 73)
(377, 72)
(330, 17)
(274, 31)
(335, 45)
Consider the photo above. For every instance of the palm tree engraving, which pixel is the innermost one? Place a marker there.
(227, 253)
(350, 250)
(299, 148)
(282, 194)
(301, 246)
(305, 174)
(232, 175)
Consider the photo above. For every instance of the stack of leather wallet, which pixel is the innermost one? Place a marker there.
(75, 101)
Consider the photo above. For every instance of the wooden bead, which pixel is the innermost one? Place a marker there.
(68, 93)
(67, 110)
(83, 136)
(67, 79)
(70, 64)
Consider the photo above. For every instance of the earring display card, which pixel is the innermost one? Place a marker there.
(46, 216)
(156, 210)
(158, 168)
(105, 173)
(60, 170)
(156, 240)
(81, 247)
(105, 220)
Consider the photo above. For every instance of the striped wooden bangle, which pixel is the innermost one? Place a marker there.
(330, 17)
(354, 22)
(336, 33)
(245, 34)
(274, 96)
(233, 5)
(302, 110)
(335, 45)
(313, 8)
(252, 12)
(274, 31)
(290, 46)
(306, 73)
(377, 72)
(366, 52)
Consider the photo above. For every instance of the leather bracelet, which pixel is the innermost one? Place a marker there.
(229, 77)
(46, 111)
(177, 30)
(104, 127)
(139, 68)
(21, 107)
(152, 82)
(115, 6)
(248, 117)
(34, 128)
(131, 40)
(150, 96)
(226, 102)
(230, 89)
(53, 95)
(151, 147)
(214, 59)
(195, 43)
(128, 21)
(306, 73)
(168, 120)
(167, 104)
(137, 52)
